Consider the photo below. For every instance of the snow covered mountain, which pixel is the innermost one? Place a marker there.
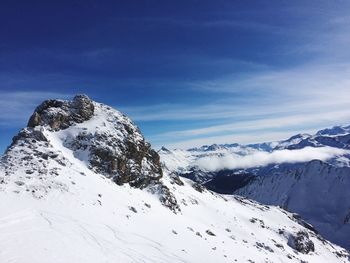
(80, 184)
(306, 174)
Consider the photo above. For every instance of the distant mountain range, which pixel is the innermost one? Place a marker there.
(306, 174)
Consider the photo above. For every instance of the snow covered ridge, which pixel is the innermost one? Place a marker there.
(306, 174)
(62, 203)
(103, 139)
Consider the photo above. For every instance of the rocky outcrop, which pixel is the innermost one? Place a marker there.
(301, 242)
(60, 114)
(137, 164)
(29, 135)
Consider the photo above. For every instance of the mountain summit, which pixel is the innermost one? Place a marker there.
(81, 184)
(105, 140)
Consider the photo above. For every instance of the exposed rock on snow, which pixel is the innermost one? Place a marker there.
(301, 242)
(59, 114)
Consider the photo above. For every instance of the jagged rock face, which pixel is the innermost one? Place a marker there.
(59, 114)
(125, 161)
(114, 146)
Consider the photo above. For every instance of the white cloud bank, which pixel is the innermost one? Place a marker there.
(234, 161)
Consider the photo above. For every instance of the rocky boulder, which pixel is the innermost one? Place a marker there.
(301, 242)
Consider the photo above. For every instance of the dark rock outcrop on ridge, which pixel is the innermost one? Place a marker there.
(60, 114)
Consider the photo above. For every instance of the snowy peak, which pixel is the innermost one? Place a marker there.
(97, 136)
(336, 130)
(295, 141)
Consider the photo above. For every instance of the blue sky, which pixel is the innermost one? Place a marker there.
(187, 72)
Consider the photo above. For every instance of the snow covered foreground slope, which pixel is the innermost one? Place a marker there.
(63, 202)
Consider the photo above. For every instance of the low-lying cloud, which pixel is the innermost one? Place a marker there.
(256, 159)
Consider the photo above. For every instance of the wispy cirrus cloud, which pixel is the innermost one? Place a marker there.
(290, 121)
(305, 81)
(310, 86)
(208, 23)
(277, 102)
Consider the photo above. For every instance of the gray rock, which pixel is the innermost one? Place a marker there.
(210, 233)
(301, 242)
(59, 114)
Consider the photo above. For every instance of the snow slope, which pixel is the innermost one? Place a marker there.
(318, 191)
(56, 208)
